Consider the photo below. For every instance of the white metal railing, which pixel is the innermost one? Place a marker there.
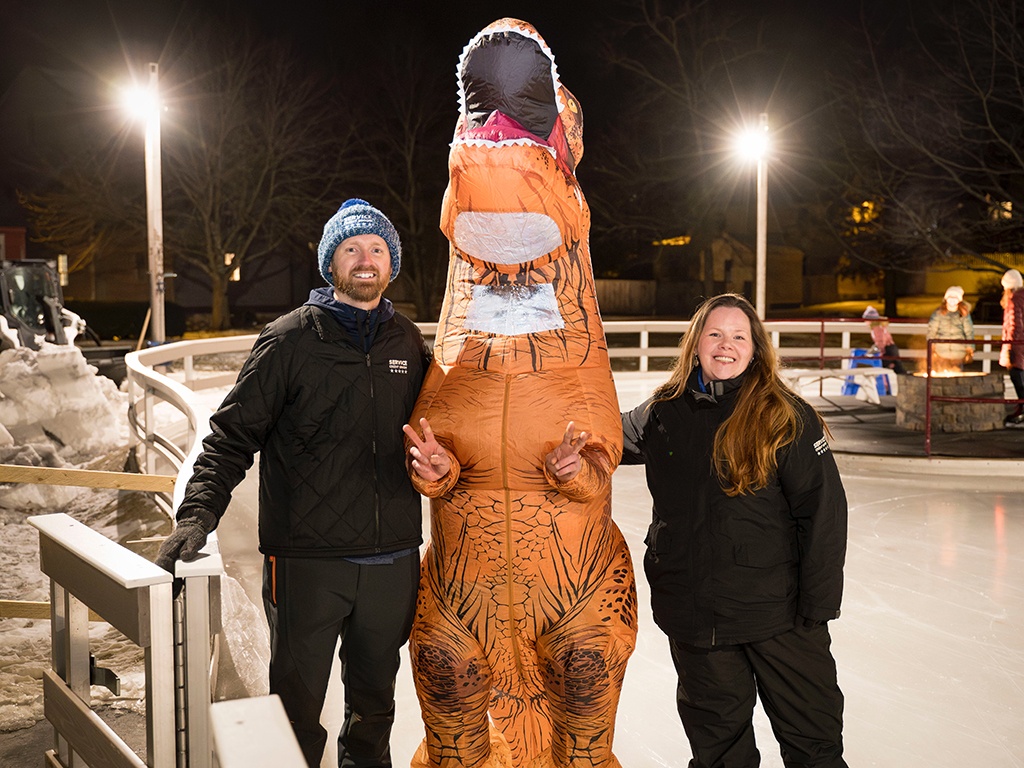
(163, 445)
(254, 731)
(834, 343)
(88, 570)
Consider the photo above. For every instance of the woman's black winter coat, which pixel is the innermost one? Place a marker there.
(727, 570)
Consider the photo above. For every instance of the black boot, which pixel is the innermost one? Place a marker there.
(1015, 419)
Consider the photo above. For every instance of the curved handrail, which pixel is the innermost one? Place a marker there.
(158, 442)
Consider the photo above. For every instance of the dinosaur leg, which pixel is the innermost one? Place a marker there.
(521, 715)
(453, 683)
(583, 662)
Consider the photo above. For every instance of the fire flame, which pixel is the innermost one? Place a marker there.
(943, 369)
(949, 374)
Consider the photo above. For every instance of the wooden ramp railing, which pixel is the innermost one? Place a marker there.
(86, 478)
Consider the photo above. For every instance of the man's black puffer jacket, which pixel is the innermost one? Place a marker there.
(326, 419)
(736, 569)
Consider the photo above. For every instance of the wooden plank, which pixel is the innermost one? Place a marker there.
(99, 572)
(30, 609)
(90, 737)
(86, 478)
(127, 568)
(24, 609)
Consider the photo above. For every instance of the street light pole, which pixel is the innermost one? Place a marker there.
(155, 210)
(762, 220)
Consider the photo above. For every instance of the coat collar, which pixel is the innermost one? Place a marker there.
(712, 391)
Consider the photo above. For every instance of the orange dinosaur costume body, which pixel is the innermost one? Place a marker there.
(527, 608)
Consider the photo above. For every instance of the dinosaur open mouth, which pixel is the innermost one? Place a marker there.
(500, 128)
(512, 73)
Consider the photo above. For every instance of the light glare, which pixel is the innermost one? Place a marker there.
(141, 102)
(753, 143)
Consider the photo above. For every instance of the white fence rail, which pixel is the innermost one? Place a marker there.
(88, 570)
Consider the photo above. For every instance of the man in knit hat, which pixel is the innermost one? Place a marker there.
(322, 398)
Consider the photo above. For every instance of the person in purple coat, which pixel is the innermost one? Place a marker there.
(1012, 355)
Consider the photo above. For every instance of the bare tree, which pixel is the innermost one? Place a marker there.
(689, 62)
(92, 213)
(257, 151)
(939, 144)
(252, 146)
(412, 109)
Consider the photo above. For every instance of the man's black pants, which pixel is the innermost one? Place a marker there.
(310, 603)
(794, 674)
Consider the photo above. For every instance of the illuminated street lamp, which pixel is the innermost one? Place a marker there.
(144, 102)
(754, 145)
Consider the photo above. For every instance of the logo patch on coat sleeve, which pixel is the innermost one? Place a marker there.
(821, 445)
(398, 366)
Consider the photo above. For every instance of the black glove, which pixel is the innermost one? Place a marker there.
(184, 543)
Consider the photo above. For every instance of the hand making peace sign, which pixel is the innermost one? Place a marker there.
(429, 458)
(564, 462)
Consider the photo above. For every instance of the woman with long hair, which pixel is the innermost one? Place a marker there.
(746, 548)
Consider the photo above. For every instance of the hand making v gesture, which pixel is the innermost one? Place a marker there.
(564, 462)
(429, 458)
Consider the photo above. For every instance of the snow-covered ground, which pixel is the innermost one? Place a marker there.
(55, 412)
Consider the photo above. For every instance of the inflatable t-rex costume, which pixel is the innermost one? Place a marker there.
(527, 606)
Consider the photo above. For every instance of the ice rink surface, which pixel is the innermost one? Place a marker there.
(930, 645)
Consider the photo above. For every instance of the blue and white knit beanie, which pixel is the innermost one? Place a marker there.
(358, 217)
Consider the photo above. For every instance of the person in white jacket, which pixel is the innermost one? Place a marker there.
(952, 320)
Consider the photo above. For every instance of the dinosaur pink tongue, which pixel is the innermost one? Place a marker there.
(500, 127)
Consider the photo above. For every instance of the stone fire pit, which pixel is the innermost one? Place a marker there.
(951, 417)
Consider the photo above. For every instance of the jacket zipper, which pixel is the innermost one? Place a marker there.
(373, 451)
(509, 553)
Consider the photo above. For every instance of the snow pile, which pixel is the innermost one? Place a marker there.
(54, 412)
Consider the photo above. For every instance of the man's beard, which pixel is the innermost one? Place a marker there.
(362, 290)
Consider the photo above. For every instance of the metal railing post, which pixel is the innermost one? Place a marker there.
(86, 569)
(928, 398)
(198, 631)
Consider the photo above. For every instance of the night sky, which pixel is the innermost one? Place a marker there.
(107, 37)
(101, 35)
(108, 40)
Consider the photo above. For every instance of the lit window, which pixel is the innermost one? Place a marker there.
(236, 273)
